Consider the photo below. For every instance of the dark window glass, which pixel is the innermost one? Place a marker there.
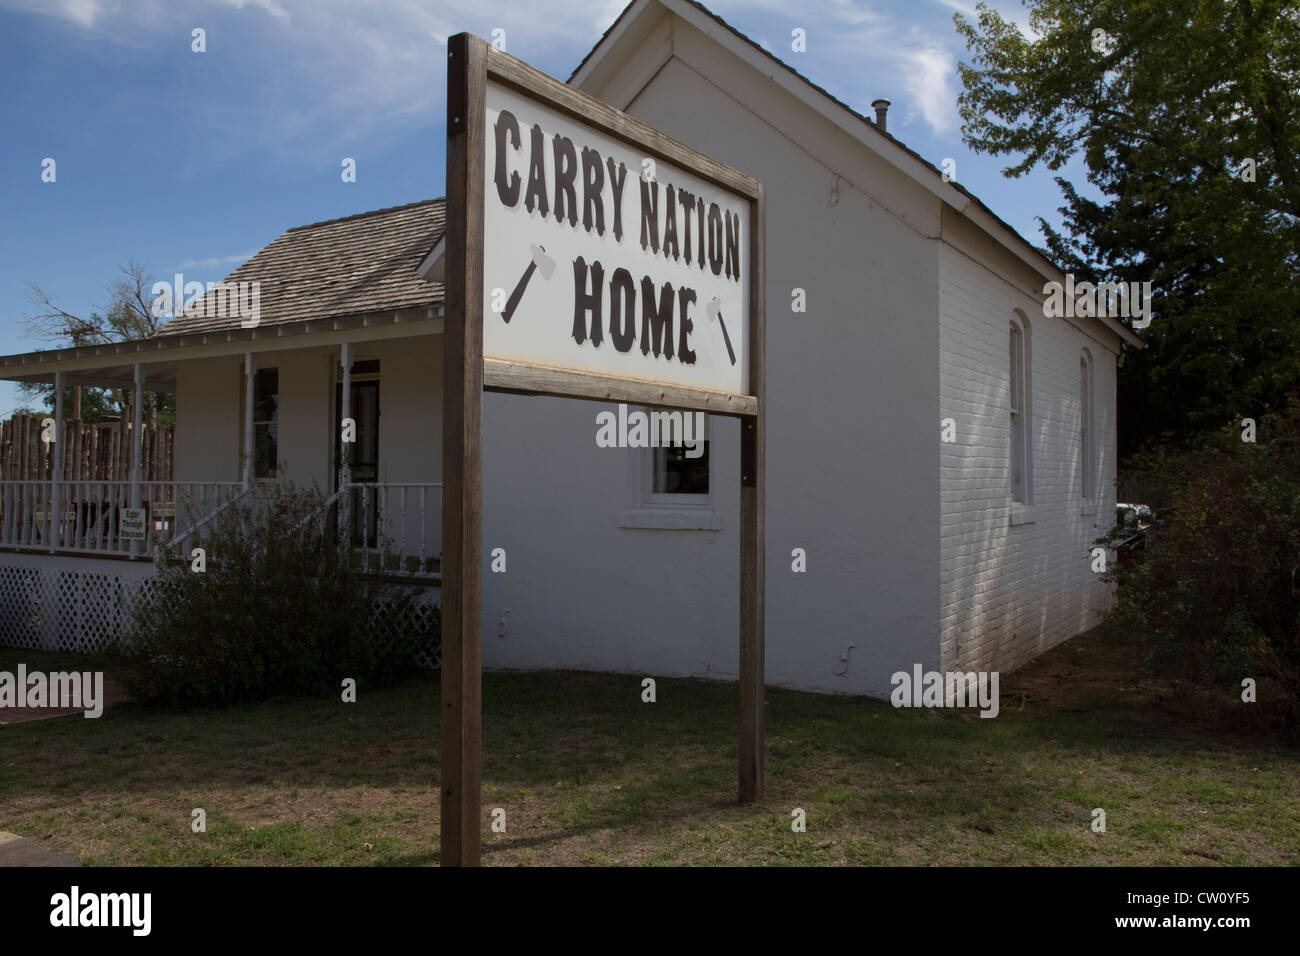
(676, 473)
(266, 411)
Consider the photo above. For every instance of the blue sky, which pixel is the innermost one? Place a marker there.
(189, 162)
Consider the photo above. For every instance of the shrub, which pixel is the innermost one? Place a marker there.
(1216, 597)
(280, 609)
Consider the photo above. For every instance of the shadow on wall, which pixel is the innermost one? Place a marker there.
(1022, 598)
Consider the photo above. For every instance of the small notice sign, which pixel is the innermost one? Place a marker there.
(130, 525)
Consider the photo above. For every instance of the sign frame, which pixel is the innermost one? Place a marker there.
(471, 62)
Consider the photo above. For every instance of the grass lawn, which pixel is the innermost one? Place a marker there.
(588, 774)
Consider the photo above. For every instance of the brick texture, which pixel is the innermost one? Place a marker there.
(1011, 591)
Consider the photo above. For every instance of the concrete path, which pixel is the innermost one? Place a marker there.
(15, 851)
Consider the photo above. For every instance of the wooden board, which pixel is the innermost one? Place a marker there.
(753, 482)
(462, 503)
(525, 379)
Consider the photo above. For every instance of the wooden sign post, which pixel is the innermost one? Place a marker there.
(587, 256)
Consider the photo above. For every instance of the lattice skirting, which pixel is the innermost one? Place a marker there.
(73, 610)
(90, 611)
(420, 618)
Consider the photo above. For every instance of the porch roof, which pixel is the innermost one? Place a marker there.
(113, 365)
(353, 278)
(357, 264)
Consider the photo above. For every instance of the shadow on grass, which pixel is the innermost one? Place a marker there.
(574, 754)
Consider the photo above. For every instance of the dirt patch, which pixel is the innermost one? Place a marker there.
(114, 693)
(1099, 671)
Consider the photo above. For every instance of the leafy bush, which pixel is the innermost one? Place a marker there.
(1217, 594)
(280, 609)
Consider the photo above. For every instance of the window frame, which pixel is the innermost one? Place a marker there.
(674, 499)
(663, 511)
(1087, 430)
(274, 477)
(1019, 418)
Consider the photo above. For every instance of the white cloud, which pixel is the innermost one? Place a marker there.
(963, 7)
(270, 6)
(238, 257)
(859, 54)
(333, 76)
(1012, 12)
(928, 81)
(84, 13)
(328, 73)
(852, 12)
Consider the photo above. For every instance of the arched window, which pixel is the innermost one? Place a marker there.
(1087, 429)
(1019, 407)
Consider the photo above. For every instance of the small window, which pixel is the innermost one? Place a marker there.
(1087, 443)
(680, 466)
(266, 411)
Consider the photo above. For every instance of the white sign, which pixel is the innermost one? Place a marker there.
(130, 524)
(599, 258)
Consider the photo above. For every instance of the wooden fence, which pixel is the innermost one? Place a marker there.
(92, 452)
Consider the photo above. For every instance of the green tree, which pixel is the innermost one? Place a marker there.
(127, 317)
(1216, 595)
(1186, 122)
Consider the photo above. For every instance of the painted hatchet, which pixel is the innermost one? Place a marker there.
(714, 309)
(540, 261)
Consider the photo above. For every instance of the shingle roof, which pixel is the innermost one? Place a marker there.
(351, 266)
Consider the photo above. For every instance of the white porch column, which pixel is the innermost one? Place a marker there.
(250, 373)
(137, 450)
(345, 411)
(56, 470)
(345, 451)
(137, 438)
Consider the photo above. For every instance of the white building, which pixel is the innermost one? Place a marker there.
(919, 305)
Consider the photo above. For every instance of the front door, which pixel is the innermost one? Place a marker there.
(363, 458)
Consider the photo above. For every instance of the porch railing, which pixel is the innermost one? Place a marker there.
(398, 525)
(203, 517)
(86, 516)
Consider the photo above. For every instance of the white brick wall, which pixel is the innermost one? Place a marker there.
(1009, 592)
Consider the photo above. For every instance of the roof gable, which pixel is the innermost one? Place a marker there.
(613, 52)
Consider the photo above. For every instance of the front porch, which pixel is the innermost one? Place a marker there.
(77, 555)
(283, 400)
(260, 415)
